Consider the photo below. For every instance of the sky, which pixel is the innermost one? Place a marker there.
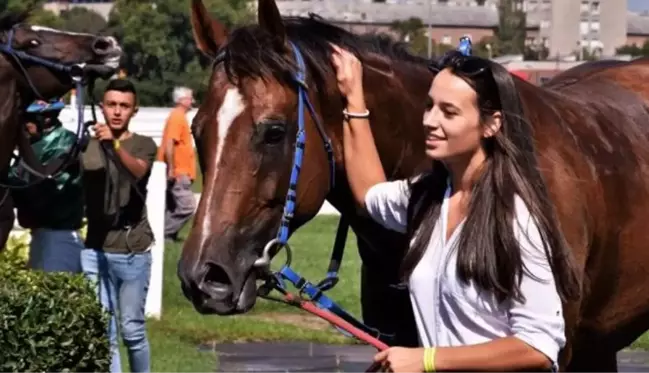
(636, 5)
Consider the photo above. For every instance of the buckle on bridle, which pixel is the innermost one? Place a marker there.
(327, 283)
(267, 257)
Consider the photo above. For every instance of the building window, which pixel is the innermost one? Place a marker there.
(594, 7)
(446, 39)
(531, 5)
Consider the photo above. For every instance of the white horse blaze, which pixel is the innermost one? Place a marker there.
(37, 28)
(231, 108)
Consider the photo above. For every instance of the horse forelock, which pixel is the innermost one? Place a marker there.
(249, 51)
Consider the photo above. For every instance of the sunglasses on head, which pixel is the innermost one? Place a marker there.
(466, 65)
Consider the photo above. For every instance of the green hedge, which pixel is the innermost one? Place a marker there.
(49, 322)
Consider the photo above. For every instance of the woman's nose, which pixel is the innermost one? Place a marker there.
(430, 119)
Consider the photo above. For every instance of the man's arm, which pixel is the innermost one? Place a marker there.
(175, 123)
(138, 167)
(169, 156)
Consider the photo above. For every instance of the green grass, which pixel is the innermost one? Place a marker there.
(641, 343)
(175, 337)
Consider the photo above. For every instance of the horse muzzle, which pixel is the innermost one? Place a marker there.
(215, 290)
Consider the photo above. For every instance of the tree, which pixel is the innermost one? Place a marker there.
(39, 16)
(412, 32)
(484, 47)
(511, 31)
(80, 19)
(634, 50)
(160, 51)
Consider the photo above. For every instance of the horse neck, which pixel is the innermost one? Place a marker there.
(395, 93)
(397, 100)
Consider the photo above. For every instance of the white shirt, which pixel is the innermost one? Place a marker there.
(450, 313)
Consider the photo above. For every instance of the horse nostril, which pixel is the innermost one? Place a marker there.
(103, 45)
(217, 283)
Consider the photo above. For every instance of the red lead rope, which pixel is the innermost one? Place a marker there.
(339, 322)
(335, 320)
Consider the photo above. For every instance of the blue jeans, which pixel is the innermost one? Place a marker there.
(55, 250)
(123, 283)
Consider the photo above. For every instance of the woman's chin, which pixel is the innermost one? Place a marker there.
(435, 153)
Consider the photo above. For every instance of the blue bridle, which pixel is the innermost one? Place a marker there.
(276, 280)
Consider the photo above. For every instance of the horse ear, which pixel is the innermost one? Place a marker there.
(270, 20)
(209, 34)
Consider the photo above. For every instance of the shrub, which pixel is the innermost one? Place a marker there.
(48, 321)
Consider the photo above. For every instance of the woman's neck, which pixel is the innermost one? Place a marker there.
(464, 171)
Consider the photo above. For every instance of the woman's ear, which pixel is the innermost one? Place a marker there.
(494, 122)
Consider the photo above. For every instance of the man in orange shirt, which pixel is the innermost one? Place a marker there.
(177, 151)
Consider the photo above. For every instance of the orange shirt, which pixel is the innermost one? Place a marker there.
(177, 129)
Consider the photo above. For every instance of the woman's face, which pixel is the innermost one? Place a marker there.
(452, 119)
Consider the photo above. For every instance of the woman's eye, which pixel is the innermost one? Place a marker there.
(274, 134)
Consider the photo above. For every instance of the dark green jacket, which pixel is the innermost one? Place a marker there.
(53, 203)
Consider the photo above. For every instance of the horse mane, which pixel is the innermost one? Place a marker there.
(10, 19)
(249, 51)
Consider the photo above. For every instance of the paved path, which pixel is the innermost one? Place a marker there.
(310, 357)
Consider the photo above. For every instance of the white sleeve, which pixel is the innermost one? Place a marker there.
(539, 321)
(387, 204)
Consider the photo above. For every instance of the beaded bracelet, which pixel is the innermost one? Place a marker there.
(349, 115)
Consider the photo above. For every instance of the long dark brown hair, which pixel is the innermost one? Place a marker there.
(489, 255)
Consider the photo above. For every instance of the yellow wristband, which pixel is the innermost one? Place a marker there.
(116, 144)
(429, 359)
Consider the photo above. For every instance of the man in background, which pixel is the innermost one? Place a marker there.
(177, 151)
(53, 208)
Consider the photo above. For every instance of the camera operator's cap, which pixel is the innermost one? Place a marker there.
(45, 107)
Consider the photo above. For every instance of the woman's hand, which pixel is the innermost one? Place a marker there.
(349, 74)
(401, 359)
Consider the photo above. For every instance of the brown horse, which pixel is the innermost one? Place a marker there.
(40, 62)
(593, 146)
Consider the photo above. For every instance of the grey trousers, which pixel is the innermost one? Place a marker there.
(181, 205)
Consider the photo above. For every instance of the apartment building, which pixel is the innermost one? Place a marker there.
(564, 26)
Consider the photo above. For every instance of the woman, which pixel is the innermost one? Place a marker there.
(488, 267)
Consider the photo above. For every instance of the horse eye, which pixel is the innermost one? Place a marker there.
(34, 42)
(274, 134)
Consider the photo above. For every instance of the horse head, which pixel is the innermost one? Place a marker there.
(43, 61)
(256, 118)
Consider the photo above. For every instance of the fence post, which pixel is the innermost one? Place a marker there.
(155, 205)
